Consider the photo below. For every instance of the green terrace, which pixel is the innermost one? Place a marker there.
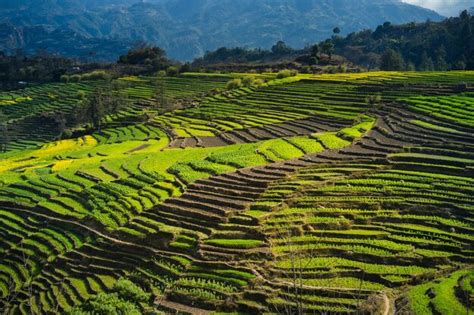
(303, 192)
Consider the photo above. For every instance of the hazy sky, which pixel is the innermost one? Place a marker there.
(444, 7)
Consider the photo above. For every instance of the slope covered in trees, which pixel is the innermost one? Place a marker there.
(187, 30)
(415, 46)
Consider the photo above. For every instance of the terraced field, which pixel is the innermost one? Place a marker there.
(349, 193)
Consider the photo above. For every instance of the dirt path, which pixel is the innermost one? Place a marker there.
(181, 308)
(386, 301)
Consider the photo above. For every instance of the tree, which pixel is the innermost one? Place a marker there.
(96, 109)
(464, 15)
(426, 63)
(328, 48)
(185, 68)
(248, 81)
(336, 30)
(172, 71)
(315, 51)
(441, 64)
(91, 110)
(115, 99)
(280, 48)
(4, 138)
(234, 84)
(373, 100)
(460, 64)
(392, 61)
(160, 93)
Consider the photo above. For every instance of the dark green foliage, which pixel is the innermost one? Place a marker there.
(38, 69)
(392, 60)
(425, 46)
(327, 47)
(244, 55)
(172, 71)
(143, 54)
(280, 48)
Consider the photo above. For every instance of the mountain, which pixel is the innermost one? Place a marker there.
(186, 29)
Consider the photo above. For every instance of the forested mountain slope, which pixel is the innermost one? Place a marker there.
(188, 30)
(427, 46)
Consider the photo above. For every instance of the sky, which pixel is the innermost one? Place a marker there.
(444, 7)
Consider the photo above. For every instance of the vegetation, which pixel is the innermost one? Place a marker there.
(424, 46)
(285, 194)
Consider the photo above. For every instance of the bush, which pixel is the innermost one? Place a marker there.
(64, 78)
(286, 74)
(129, 291)
(172, 71)
(81, 95)
(185, 68)
(106, 304)
(258, 82)
(126, 298)
(95, 76)
(234, 84)
(75, 78)
(342, 68)
(248, 81)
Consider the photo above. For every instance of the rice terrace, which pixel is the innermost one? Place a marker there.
(303, 193)
(210, 157)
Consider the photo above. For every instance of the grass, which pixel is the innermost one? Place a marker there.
(444, 301)
(235, 243)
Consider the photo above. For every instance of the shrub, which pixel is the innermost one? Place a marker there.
(342, 68)
(81, 95)
(248, 81)
(185, 68)
(75, 78)
(172, 71)
(104, 303)
(126, 298)
(234, 84)
(286, 74)
(129, 291)
(258, 82)
(306, 69)
(95, 76)
(64, 78)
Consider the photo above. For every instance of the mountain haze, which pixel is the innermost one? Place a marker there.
(186, 29)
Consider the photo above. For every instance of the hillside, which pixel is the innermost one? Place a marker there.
(344, 193)
(187, 31)
(427, 46)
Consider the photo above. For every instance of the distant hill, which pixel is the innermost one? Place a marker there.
(187, 29)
